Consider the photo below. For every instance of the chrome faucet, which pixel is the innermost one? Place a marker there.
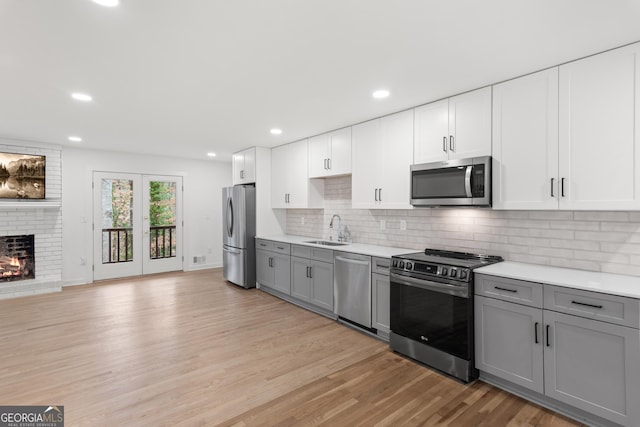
(340, 235)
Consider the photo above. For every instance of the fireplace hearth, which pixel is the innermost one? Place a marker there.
(17, 258)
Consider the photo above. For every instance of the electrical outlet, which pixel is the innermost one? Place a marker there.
(403, 224)
(383, 224)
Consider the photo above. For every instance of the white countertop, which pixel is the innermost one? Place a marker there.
(607, 283)
(357, 248)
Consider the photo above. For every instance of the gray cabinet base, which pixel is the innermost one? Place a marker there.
(547, 402)
(298, 302)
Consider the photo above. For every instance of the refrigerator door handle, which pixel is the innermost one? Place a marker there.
(230, 217)
(231, 251)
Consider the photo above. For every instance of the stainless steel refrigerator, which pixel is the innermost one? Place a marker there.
(239, 232)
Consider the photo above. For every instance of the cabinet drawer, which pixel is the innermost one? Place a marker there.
(264, 245)
(380, 265)
(301, 251)
(283, 248)
(519, 291)
(593, 305)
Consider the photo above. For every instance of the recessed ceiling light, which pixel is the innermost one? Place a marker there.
(379, 94)
(211, 154)
(276, 131)
(75, 139)
(108, 3)
(81, 96)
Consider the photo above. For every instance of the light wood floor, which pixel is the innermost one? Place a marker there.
(188, 349)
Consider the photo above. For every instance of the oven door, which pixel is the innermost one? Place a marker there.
(433, 313)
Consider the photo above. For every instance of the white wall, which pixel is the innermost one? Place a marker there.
(202, 204)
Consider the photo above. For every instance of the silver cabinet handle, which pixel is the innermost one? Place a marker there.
(444, 144)
(379, 194)
(552, 182)
(451, 143)
(329, 164)
(325, 163)
(562, 187)
(375, 194)
(241, 174)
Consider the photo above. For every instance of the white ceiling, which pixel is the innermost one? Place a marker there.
(185, 77)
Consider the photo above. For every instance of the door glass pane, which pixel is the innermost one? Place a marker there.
(117, 229)
(162, 219)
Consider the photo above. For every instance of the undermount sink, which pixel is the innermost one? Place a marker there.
(326, 243)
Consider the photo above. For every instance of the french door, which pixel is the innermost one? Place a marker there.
(137, 224)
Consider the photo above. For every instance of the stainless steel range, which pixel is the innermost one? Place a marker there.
(432, 309)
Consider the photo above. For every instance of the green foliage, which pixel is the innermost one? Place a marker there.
(162, 198)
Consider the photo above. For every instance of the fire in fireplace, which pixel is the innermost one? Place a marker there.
(17, 258)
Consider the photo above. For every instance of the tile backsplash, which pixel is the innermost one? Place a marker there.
(596, 241)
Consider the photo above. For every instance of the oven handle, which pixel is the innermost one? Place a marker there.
(443, 288)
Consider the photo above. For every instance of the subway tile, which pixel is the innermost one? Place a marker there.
(573, 263)
(574, 244)
(553, 234)
(551, 215)
(551, 252)
(601, 257)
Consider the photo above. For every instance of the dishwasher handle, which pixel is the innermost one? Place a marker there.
(352, 261)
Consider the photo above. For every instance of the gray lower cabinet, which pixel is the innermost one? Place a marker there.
(588, 364)
(312, 276)
(593, 365)
(380, 296)
(273, 266)
(506, 341)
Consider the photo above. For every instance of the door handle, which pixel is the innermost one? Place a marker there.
(444, 144)
(451, 143)
(230, 217)
(552, 182)
(467, 181)
(535, 331)
(329, 164)
(547, 335)
(379, 194)
(375, 194)
(310, 272)
(325, 163)
(562, 187)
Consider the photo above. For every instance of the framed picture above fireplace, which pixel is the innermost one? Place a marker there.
(22, 176)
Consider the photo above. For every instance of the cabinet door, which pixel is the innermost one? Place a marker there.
(470, 124)
(319, 153)
(302, 193)
(281, 265)
(593, 366)
(380, 302)
(237, 164)
(322, 284)
(340, 152)
(509, 342)
(599, 155)
(365, 164)
(431, 132)
(264, 272)
(249, 171)
(395, 145)
(300, 280)
(525, 142)
(279, 176)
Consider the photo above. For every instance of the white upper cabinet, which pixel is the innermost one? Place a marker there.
(381, 159)
(599, 152)
(244, 166)
(454, 128)
(290, 185)
(525, 142)
(330, 154)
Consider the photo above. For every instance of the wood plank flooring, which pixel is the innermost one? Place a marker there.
(188, 349)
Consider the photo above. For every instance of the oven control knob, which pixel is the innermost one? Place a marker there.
(409, 266)
(453, 273)
(463, 274)
(444, 271)
(401, 264)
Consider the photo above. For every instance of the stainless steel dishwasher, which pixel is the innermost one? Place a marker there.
(352, 287)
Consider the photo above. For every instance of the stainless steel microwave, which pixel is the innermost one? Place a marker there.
(461, 182)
